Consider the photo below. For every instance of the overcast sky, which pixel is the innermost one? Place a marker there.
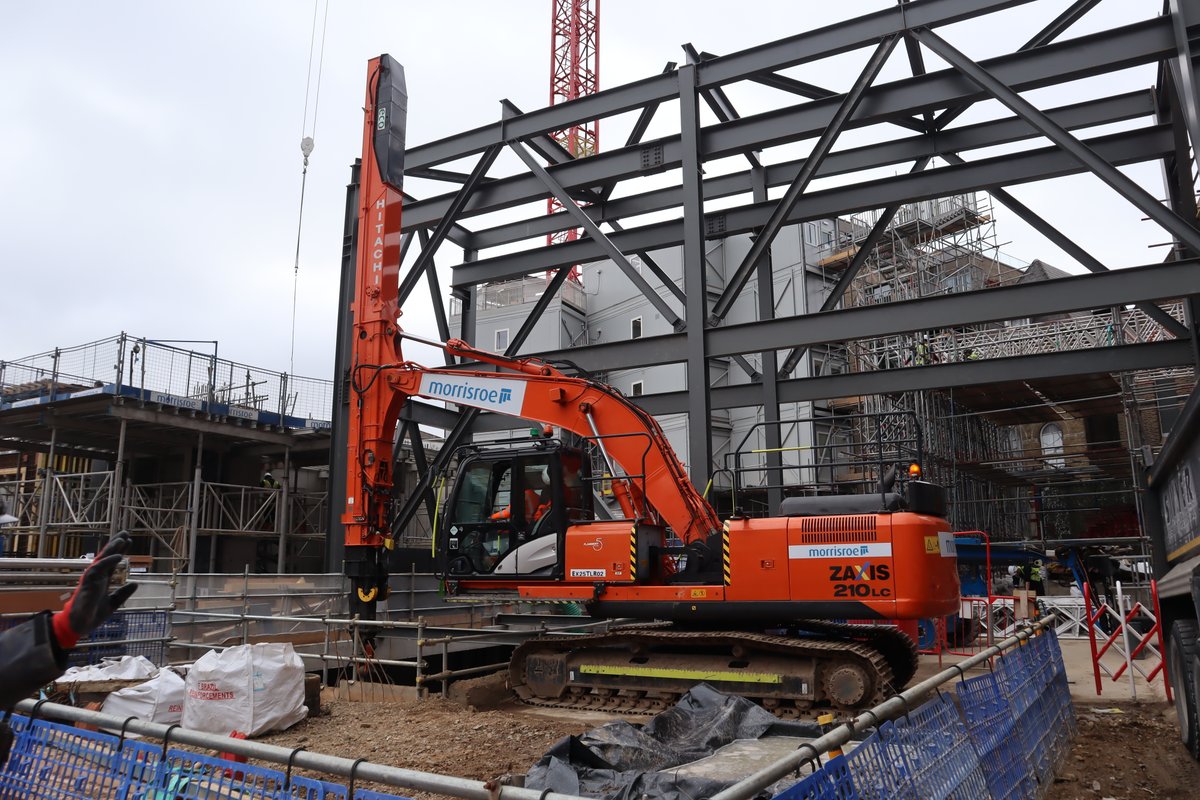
(150, 164)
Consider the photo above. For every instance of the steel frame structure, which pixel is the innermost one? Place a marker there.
(912, 120)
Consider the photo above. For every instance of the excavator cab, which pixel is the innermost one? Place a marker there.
(509, 509)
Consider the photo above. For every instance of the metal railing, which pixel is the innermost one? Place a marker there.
(892, 708)
(298, 758)
(1080, 332)
(151, 367)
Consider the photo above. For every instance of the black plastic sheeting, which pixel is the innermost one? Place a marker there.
(624, 761)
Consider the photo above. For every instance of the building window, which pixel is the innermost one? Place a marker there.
(635, 328)
(501, 340)
(636, 389)
(1052, 445)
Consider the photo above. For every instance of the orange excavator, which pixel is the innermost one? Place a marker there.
(754, 606)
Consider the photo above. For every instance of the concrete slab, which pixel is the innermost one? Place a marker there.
(743, 757)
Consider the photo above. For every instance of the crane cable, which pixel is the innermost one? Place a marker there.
(306, 148)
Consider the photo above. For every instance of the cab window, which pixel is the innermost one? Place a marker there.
(483, 490)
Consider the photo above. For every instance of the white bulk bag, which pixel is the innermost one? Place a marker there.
(249, 688)
(111, 669)
(159, 699)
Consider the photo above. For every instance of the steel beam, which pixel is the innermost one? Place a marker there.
(611, 251)
(987, 134)
(430, 244)
(1076, 293)
(1072, 248)
(847, 277)
(655, 269)
(1120, 148)
(181, 418)
(771, 57)
(646, 114)
(1124, 358)
(1103, 360)
(412, 431)
(1086, 156)
(547, 147)
(1140, 43)
(1042, 38)
(764, 238)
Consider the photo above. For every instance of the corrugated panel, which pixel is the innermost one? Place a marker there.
(838, 530)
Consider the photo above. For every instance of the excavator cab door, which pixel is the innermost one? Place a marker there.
(508, 512)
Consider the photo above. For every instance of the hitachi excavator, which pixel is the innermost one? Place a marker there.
(753, 606)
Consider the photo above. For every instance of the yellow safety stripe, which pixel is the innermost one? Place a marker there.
(633, 554)
(688, 674)
(725, 553)
(1193, 544)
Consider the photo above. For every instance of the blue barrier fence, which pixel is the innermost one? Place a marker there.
(130, 632)
(59, 762)
(1002, 735)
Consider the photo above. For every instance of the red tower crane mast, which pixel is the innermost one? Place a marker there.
(574, 73)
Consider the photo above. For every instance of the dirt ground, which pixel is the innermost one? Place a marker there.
(433, 735)
(1125, 751)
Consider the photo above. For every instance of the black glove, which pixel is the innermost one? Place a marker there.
(91, 604)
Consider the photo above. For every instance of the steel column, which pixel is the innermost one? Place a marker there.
(1183, 66)
(695, 281)
(335, 540)
(194, 515)
(770, 368)
(282, 507)
(47, 481)
(118, 482)
(764, 238)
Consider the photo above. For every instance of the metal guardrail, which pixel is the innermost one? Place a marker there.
(890, 709)
(298, 758)
(159, 366)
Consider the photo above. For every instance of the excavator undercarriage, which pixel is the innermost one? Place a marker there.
(812, 668)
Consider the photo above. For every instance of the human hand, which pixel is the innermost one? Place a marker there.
(91, 604)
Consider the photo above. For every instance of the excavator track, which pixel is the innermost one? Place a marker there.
(645, 670)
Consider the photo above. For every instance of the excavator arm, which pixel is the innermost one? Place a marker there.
(655, 486)
(655, 483)
(374, 312)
